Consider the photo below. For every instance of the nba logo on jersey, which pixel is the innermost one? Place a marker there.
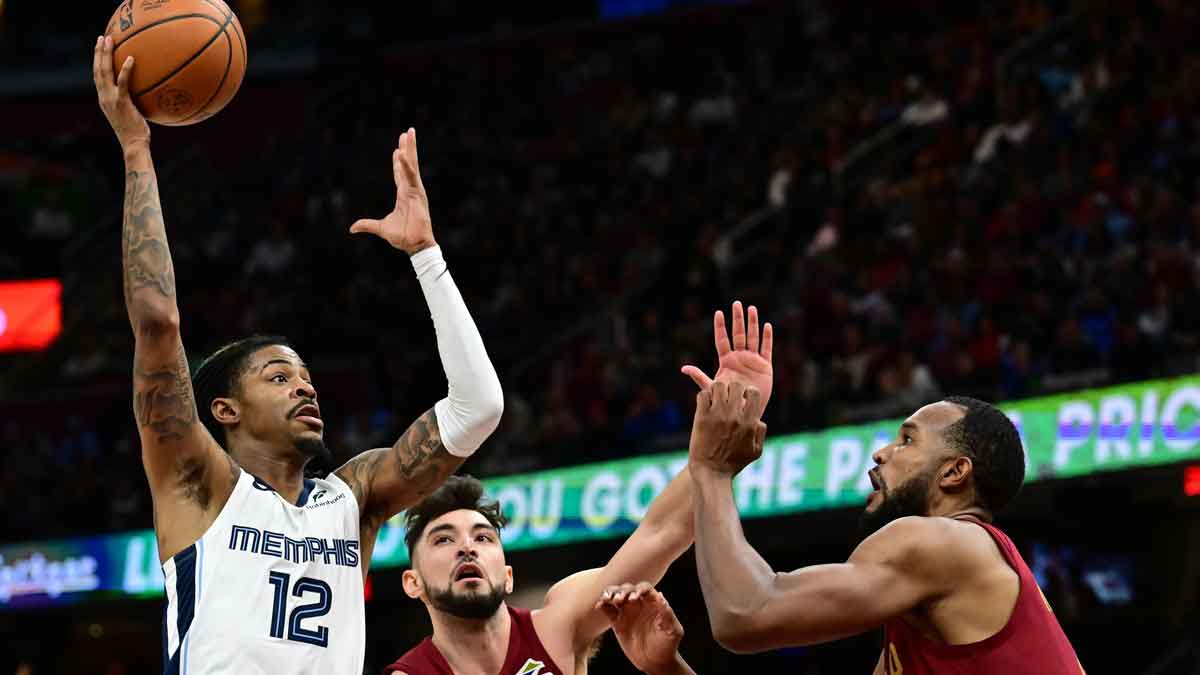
(532, 667)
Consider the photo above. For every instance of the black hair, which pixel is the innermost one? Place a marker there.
(458, 492)
(989, 438)
(218, 376)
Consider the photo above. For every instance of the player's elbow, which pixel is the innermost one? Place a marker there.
(482, 415)
(736, 633)
(490, 408)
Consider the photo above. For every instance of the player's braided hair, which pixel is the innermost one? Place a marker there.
(458, 492)
(989, 438)
(218, 376)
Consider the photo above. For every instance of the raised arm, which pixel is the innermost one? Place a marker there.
(667, 528)
(663, 535)
(190, 476)
(388, 480)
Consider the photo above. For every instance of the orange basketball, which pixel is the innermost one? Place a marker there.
(189, 57)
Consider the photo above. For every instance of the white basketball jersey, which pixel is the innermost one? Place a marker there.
(272, 587)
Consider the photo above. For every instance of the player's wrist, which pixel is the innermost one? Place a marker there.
(135, 148)
(419, 247)
(706, 472)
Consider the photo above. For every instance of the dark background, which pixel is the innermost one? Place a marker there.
(996, 199)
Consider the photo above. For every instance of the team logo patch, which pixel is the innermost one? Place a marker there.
(532, 667)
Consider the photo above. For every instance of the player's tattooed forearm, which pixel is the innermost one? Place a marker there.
(162, 400)
(147, 260)
(418, 458)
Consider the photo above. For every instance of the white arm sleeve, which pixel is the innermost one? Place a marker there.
(472, 408)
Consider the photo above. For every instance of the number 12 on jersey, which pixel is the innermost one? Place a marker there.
(296, 632)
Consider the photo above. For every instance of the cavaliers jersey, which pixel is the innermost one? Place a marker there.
(1031, 643)
(525, 656)
(271, 587)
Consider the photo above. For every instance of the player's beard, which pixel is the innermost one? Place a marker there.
(471, 604)
(909, 499)
(319, 454)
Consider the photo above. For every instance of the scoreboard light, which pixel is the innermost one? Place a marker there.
(30, 314)
(1191, 481)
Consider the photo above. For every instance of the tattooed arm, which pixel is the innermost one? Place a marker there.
(190, 476)
(386, 481)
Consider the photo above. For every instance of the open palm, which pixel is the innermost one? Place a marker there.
(408, 227)
(746, 359)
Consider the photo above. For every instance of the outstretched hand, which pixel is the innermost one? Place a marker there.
(408, 227)
(746, 361)
(644, 623)
(124, 117)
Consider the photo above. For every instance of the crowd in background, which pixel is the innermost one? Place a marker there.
(1040, 232)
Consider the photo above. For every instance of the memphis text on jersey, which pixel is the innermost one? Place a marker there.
(342, 552)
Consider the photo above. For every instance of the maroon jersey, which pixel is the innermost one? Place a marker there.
(526, 655)
(1031, 643)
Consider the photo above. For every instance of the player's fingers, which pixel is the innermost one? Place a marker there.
(416, 160)
(124, 75)
(106, 66)
(703, 381)
(616, 594)
(760, 437)
(398, 174)
(408, 160)
(753, 400)
(365, 225)
(739, 326)
(96, 61)
(643, 588)
(752, 329)
(612, 613)
(720, 334)
(768, 342)
(720, 392)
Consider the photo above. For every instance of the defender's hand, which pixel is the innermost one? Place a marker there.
(726, 432)
(408, 227)
(747, 362)
(124, 117)
(646, 627)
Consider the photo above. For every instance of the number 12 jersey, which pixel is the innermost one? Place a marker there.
(271, 587)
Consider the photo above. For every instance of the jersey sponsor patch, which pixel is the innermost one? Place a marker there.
(533, 667)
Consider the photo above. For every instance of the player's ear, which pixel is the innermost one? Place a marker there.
(956, 474)
(508, 579)
(412, 584)
(225, 410)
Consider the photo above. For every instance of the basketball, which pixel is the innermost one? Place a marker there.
(189, 57)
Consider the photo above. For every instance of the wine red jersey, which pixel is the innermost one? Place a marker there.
(1031, 643)
(526, 655)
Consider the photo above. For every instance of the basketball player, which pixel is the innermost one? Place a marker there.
(264, 569)
(949, 588)
(459, 572)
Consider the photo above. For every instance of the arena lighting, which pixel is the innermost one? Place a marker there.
(1191, 481)
(30, 314)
